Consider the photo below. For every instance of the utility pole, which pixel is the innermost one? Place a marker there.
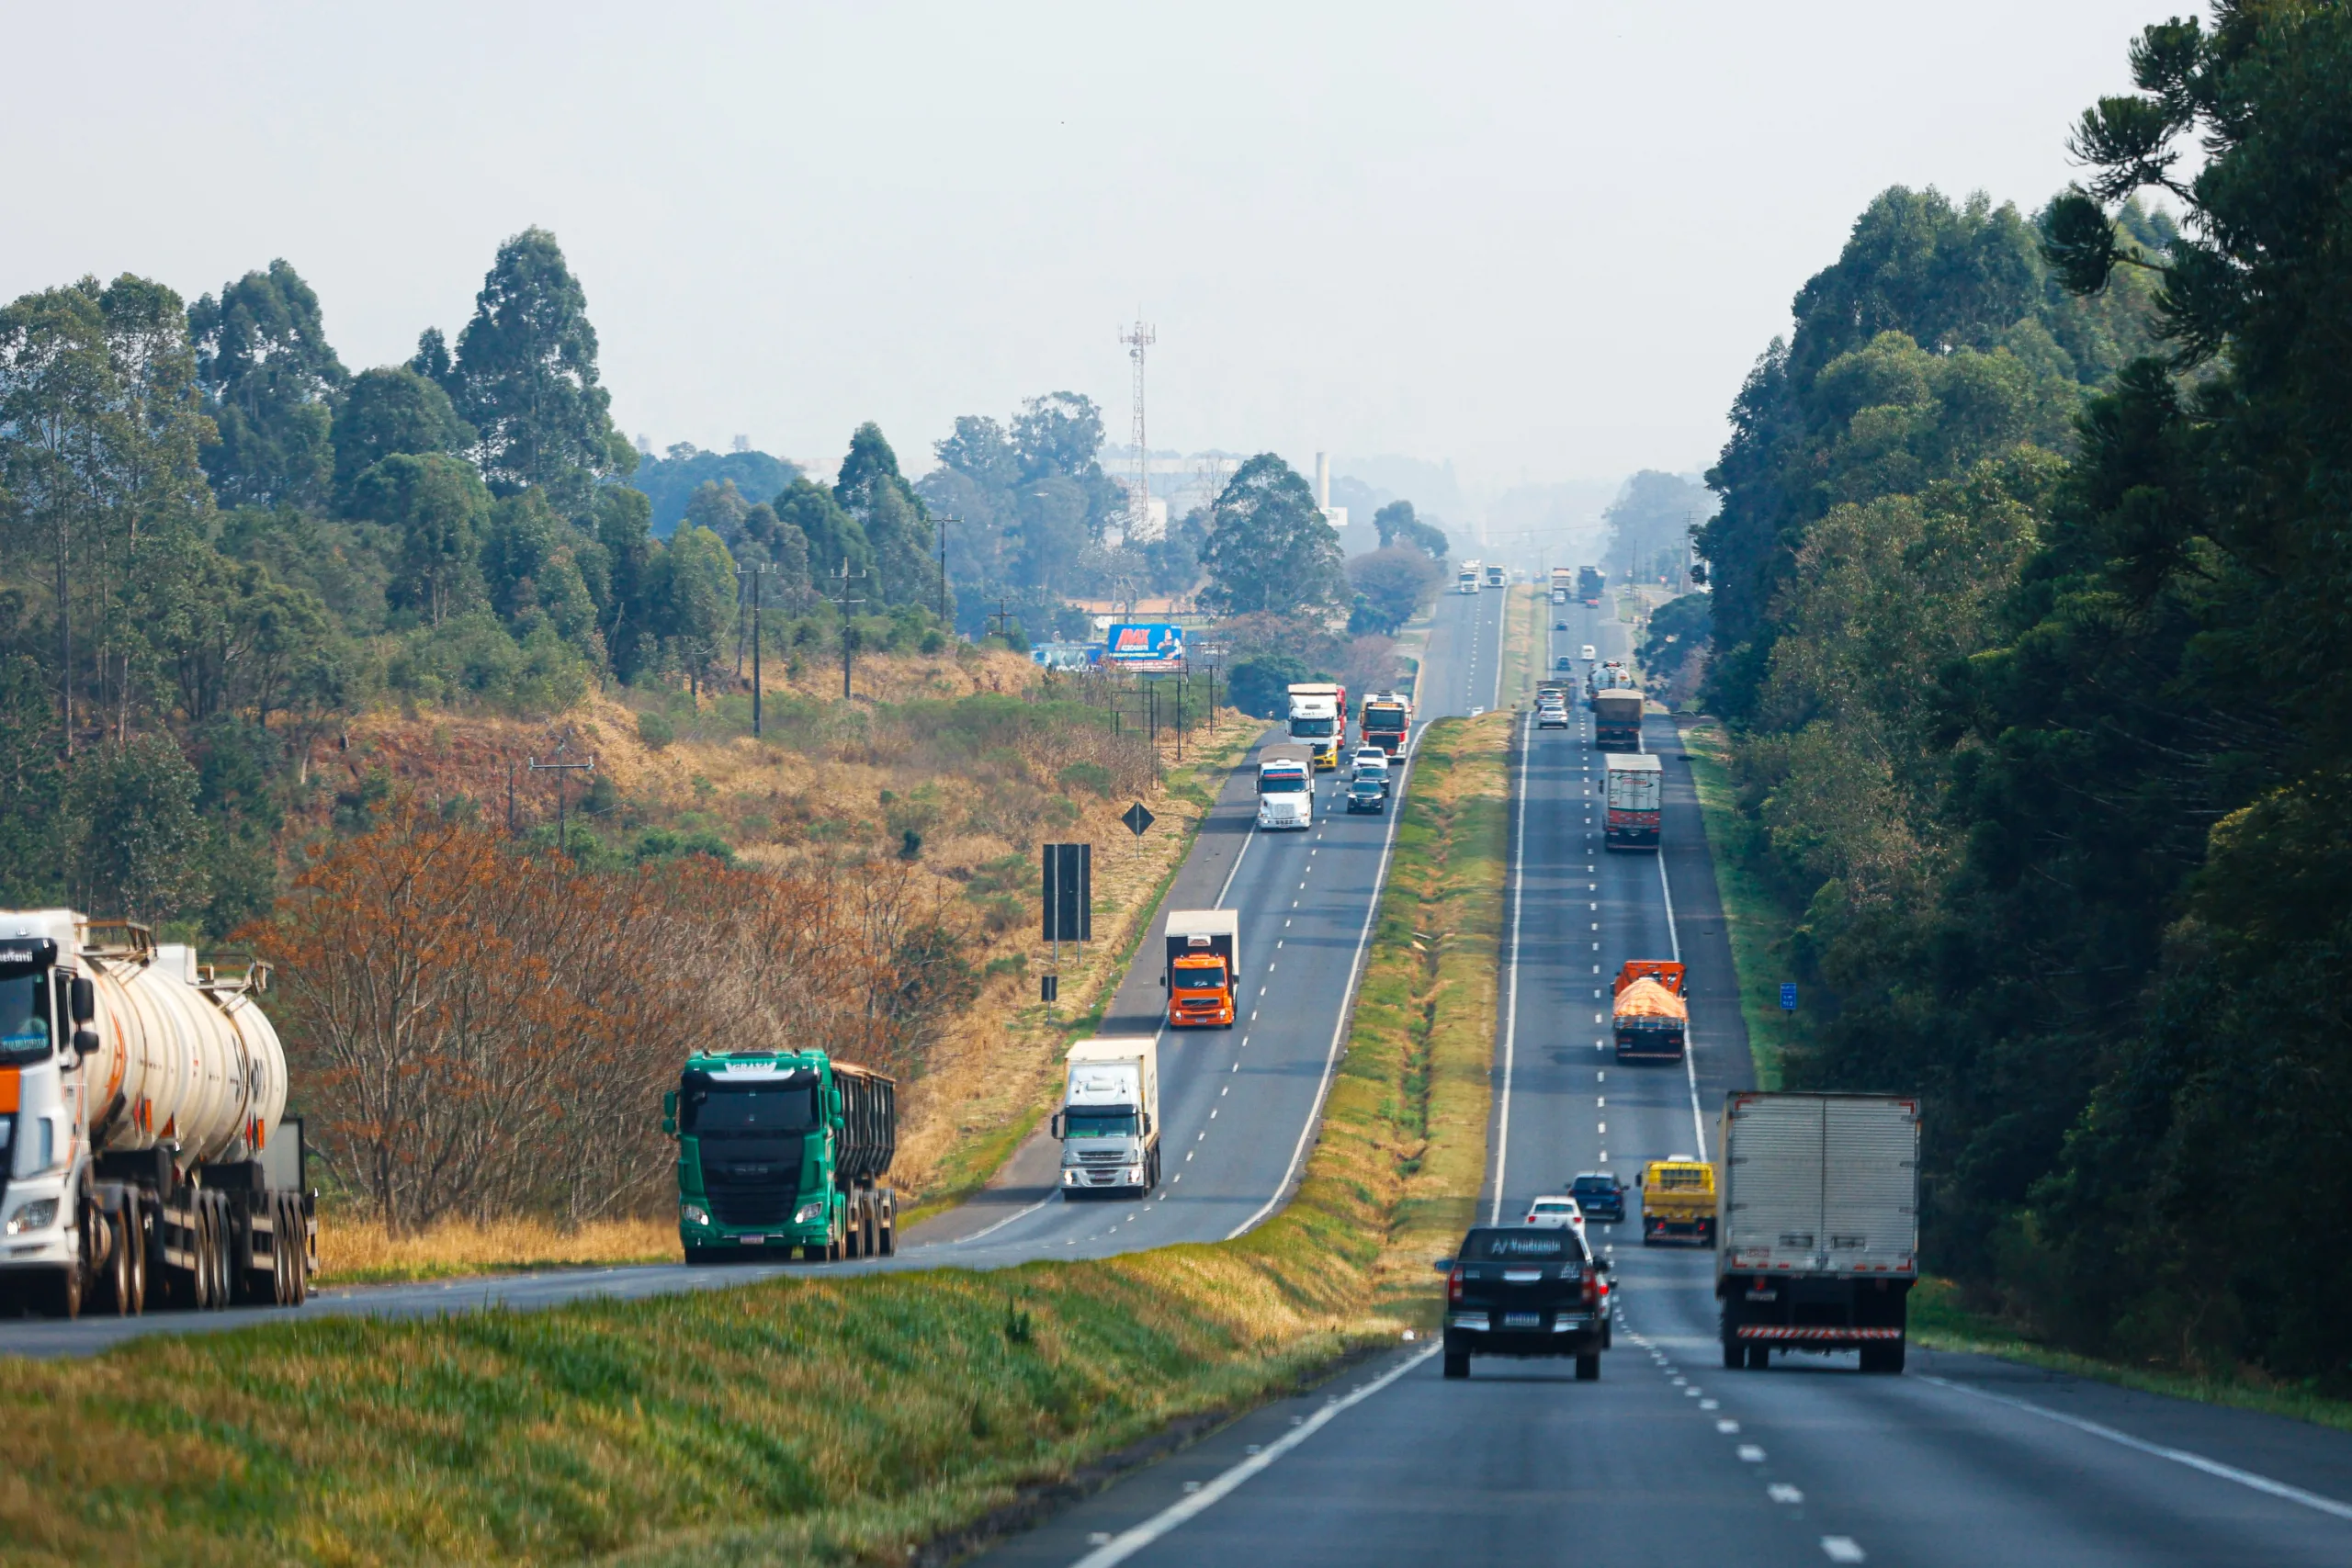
(1002, 620)
(944, 519)
(842, 601)
(757, 573)
(559, 767)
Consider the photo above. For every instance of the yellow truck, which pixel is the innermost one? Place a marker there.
(1677, 1201)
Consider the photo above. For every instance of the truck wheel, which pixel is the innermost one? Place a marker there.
(1883, 1358)
(889, 1241)
(114, 1293)
(1735, 1355)
(1760, 1357)
(135, 1244)
(1457, 1364)
(1588, 1368)
(64, 1294)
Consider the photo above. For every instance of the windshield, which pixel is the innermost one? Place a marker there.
(1281, 783)
(747, 1107)
(24, 1017)
(1116, 1122)
(1380, 720)
(1586, 1185)
(1311, 728)
(1192, 974)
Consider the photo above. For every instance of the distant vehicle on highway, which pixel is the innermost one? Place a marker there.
(1587, 655)
(1677, 1201)
(1556, 1209)
(1517, 1291)
(1564, 662)
(1552, 716)
(1598, 1195)
(1559, 626)
(1369, 761)
(780, 1150)
(1367, 794)
(1286, 787)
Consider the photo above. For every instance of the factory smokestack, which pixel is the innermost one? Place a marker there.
(1323, 480)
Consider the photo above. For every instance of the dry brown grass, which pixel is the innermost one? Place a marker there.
(355, 1249)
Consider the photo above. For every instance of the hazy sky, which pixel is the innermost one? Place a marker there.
(1544, 241)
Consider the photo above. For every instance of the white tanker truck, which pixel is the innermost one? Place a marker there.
(144, 1153)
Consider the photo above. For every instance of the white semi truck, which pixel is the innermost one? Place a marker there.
(144, 1152)
(1109, 1122)
(1466, 581)
(1286, 787)
(1817, 1245)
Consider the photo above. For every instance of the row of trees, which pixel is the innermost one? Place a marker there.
(2029, 577)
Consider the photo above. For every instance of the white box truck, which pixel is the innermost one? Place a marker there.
(1818, 1244)
(1109, 1122)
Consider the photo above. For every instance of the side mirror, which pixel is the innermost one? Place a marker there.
(670, 1113)
(1054, 1128)
(85, 999)
(1443, 1265)
(1163, 982)
(86, 1042)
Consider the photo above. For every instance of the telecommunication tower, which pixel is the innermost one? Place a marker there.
(1139, 338)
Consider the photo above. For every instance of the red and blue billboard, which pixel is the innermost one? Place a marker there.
(1149, 648)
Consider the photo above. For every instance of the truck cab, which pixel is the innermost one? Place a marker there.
(1202, 968)
(1286, 788)
(783, 1150)
(1387, 720)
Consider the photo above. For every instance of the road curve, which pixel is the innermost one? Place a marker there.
(1237, 1108)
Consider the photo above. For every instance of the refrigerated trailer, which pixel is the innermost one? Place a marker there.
(1634, 789)
(1819, 1244)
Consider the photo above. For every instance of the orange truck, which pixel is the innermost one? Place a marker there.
(1203, 973)
(1652, 1015)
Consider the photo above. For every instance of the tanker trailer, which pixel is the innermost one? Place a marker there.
(145, 1154)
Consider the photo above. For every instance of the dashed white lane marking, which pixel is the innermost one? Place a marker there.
(1782, 1492)
(1841, 1548)
(1128, 1542)
(1750, 1454)
(1728, 1428)
(2245, 1478)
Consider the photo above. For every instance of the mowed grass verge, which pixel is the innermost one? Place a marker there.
(1757, 924)
(804, 1420)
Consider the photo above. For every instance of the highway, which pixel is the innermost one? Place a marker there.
(1964, 1460)
(1237, 1106)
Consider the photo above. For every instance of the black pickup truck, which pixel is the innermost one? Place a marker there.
(1523, 1291)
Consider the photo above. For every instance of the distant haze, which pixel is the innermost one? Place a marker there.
(1542, 242)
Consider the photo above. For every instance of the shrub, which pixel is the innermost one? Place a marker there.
(655, 731)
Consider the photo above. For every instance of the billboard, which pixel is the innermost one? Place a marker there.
(1147, 647)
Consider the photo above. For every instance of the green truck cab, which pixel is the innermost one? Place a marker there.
(780, 1150)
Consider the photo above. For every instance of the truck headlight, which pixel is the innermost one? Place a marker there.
(808, 1213)
(694, 1214)
(36, 1215)
(1135, 1173)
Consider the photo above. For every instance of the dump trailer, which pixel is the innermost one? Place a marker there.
(1387, 721)
(1677, 1201)
(780, 1150)
(145, 1156)
(1617, 718)
(1285, 786)
(1652, 1014)
(1636, 787)
(1819, 1243)
(1590, 579)
(1109, 1122)
(1202, 967)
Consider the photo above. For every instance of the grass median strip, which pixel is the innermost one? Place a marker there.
(801, 1419)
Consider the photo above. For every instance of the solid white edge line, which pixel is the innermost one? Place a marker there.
(1347, 1001)
(1016, 1214)
(2245, 1478)
(1510, 993)
(1690, 1035)
(1126, 1543)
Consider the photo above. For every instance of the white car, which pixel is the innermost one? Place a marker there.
(1368, 759)
(1553, 1210)
(1588, 655)
(1552, 716)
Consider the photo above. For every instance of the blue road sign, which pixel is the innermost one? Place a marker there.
(1788, 997)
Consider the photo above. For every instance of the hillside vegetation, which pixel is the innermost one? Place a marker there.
(2027, 623)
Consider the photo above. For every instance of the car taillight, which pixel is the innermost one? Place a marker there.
(1591, 1287)
(1453, 1285)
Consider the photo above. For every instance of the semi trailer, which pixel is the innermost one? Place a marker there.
(1590, 579)
(1202, 967)
(1819, 1242)
(1617, 718)
(1635, 790)
(783, 1150)
(145, 1156)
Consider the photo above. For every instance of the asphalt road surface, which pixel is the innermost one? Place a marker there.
(1238, 1108)
(1964, 1460)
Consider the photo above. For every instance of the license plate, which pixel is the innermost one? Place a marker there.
(1523, 1320)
